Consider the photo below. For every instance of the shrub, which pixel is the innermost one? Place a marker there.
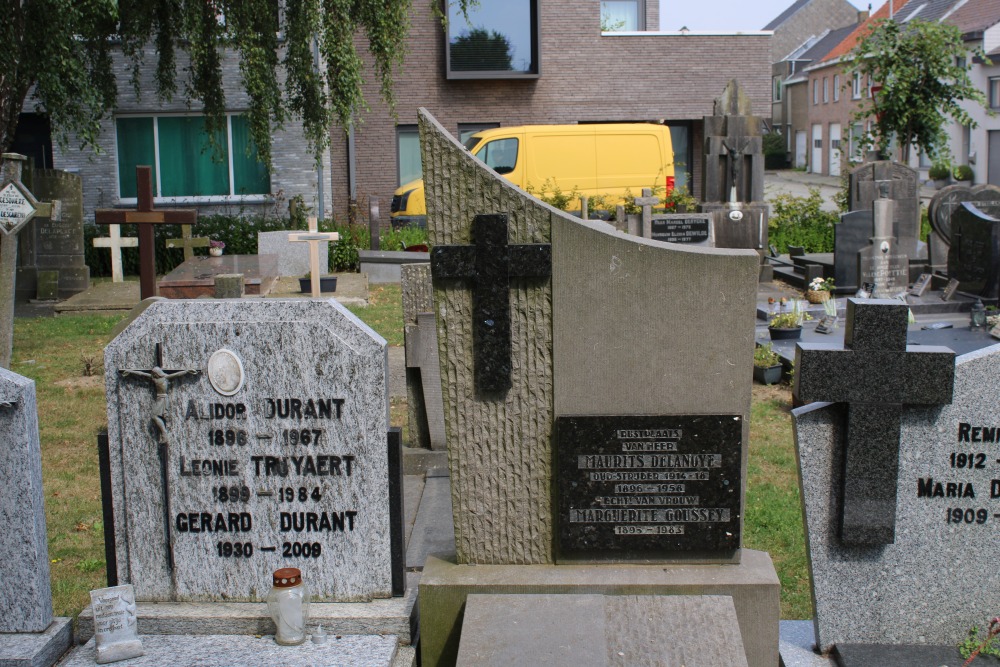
(963, 172)
(765, 357)
(800, 221)
(939, 171)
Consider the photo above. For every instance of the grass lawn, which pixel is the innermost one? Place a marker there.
(55, 352)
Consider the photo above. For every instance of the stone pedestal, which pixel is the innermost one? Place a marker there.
(752, 584)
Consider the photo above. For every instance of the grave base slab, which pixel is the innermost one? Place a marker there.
(597, 630)
(902, 655)
(36, 649)
(753, 585)
(196, 277)
(389, 616)
(249, 651)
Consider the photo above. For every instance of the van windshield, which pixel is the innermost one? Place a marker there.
(500, 155)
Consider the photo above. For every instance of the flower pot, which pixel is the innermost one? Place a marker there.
(782, 333)
(817, 296)
(767, 375)
(941, 183)
(326, 284)
(215, 252)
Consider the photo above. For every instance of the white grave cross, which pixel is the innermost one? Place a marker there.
(314, 237)
(115, 243)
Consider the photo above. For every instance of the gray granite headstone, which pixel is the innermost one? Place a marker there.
(863, 189)
(884, 263)
(974, 256)
(293, 258)
(850, 235)
(272, 437)
(26, 599)
(939, 577)
(116, 624)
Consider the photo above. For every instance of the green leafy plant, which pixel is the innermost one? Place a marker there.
(553, 195)
(790, 319)
(962, 172)
(939, 171)
(679, 200)
(972, 645)
(765, 357)
(801, 221)
(402, 238)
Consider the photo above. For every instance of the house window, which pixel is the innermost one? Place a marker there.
(868, 92)
(856, 139)
(836, 87)
(408, 153)
(815, 92)
(498, 40)
(622, 16)
(994, 93)
(856, 87)
(776, 89)
(184, 164)
(466, 130)
(826, 90)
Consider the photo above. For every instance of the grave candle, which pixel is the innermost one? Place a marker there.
(288, 604)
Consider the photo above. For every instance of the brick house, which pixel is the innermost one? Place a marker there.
(805, 19)
(562, 69)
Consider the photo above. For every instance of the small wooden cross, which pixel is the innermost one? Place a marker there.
(146, 217)
(490, 264)
(188, 242)
(314, 237)
(115, 243)
(875, 374)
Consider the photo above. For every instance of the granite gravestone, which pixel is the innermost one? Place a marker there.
(974, 256)
(293, 258)
(560, 406)
(939, 577)
(943, 206)
(864, 187)
(246, 436)
(883, 263)
(733, 172)
(28, 630)
(850, 236)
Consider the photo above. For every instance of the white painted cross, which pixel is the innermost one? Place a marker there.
(115, 243)
(314, 237)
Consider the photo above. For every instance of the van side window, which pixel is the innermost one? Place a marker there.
(499, 155)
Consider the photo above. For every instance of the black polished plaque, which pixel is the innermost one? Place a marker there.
(679, 228)
(648, 487)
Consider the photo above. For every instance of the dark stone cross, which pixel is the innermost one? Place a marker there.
(875, 374)
(145, 217)
(489, 264)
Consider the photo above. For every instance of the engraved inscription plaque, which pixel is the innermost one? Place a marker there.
(648, 487)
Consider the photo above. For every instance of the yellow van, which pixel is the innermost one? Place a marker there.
(593, 159)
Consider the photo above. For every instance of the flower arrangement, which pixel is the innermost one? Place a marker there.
(821, 285)
(217, 244)
(791, 319)
(764, 356)
(679, 200)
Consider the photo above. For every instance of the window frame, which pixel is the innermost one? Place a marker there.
(776, 88)
(856, 86)
(836, 87)
(406, 129)
(826, 90)
(815, 91)
(536, 52)
(255, 198)
(993, 86)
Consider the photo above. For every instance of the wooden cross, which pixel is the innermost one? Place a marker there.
(145, 217)
(876, 373)
(489, 264)
(188, 242)
(115, 243)
(314, 237)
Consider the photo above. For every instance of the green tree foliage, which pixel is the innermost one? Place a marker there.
(60, 52)
(481, 50)
(916, 63)
(801, 221)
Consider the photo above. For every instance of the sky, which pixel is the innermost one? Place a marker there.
(730, 15)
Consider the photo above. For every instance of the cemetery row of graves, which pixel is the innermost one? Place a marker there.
(608, 478)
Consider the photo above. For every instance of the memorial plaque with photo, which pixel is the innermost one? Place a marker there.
(692, 229)
(648, 487)
(246, 437)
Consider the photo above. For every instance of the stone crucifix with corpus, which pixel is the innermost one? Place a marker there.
(145, 217)
(314, 237)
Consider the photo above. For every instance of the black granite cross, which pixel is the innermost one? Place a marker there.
(876, 373)
(489, 264)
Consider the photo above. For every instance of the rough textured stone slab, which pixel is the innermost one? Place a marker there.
(596, 630)
(918, 589)
(752, 584)
(433, 531)
(219, 650)
(311, 351)
(292, 258)
(36, 649)
(389, 616)
(798, 645)
(25, 592)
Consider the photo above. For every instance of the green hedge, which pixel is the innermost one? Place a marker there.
(800, 221)
(240, 237)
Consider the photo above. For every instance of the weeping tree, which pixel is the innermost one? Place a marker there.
(922, 69)
(60, 53)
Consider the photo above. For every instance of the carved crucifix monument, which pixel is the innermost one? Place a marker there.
(490, 264)
(314, 237)
(161, 378)
(144, 216)
(875, 374)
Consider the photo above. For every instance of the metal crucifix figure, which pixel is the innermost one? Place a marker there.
(161, 406)
(734, 156)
